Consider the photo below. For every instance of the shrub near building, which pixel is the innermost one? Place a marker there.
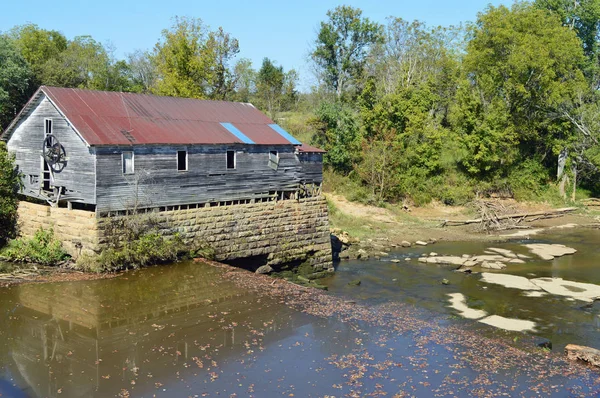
(9, 186)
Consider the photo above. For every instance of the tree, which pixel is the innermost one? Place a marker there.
(581, 15)
(342, 46)
(38, 46)
(269, 86)
(193, 62)
(9, 187)
(84, 64)
(337, 131)
(223, 48)
(15, 81)
(142, 71)
(245, 80)
(521, 66)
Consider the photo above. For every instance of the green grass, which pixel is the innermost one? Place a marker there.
(43, 249)
(357, 227)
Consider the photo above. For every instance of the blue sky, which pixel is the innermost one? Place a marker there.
(280, 30)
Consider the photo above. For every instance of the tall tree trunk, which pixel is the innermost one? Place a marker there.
(574, 181)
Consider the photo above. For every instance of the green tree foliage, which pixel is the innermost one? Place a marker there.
(341, 47)
(141, 71)
(193, 62)
(269, 86)
(84, 64)
(15, 81)
(521, 66)
(581, 15)
(245, 80)
(38, 46)
(337, 131)
(9, 186)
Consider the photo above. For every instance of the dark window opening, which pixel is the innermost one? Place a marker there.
(48, 126)
(182, 161)
(274, 160)
(231, 159)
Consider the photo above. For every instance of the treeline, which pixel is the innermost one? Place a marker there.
(190, 60)
(507, 105)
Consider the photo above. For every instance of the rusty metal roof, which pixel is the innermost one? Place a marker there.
(304, 148)
(114, 118)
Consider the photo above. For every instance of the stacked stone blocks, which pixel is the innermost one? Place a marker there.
(285, 231)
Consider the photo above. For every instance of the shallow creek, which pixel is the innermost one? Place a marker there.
(557, 317)
(186, 330)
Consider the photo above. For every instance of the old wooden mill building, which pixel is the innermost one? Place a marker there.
(111, 151)
(91, 154)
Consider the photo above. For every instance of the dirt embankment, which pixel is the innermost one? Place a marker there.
(394, 225)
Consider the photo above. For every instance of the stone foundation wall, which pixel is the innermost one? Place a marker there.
(284, 231)
(76, 229)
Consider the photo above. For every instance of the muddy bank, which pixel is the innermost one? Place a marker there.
(40, 274)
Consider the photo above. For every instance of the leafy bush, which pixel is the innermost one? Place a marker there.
(9, 186)
(43, 249)
(148, 249)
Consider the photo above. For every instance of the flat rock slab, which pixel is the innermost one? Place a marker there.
(583, 353)
(458, 301)
(549, 251)
(515, 325)
(576, 290)
(488, 257)
(493, 265)
(511, 281)
(421, 243)
(503, 252)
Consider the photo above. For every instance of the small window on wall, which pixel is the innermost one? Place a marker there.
(182, 160)
(128, 167)
(47, 126)
(274, 160)
(231, 159)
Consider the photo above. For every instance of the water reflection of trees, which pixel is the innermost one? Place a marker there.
(94, 338)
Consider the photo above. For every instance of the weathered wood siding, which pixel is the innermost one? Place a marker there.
(311, 167)
(157, 182)
(26, 142)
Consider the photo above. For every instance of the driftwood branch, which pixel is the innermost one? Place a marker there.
(517, 218)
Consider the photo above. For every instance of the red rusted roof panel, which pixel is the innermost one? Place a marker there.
(112, 118)
(308, 149)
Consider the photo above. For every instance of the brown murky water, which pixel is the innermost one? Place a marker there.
(557, 318)
(184, 330)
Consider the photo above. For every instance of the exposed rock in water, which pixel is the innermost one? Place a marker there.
(420, 243)
(545, 343)
(507, 280)
(459, 302)
(583, 353)
(549, 251)
(395, 260)
(450, 260)
(355, 282)
(445, 282)
(504, 252)
(575, 290)
(265, 269)
(362, 254)
(406, 243)
(515, 325)
(493, 265)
